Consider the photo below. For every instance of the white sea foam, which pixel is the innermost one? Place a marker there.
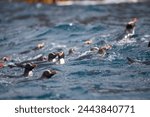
(126, 41)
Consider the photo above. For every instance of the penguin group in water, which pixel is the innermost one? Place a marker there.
(59, 57)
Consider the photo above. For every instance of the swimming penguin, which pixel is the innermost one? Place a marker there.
(56, 57)
(48, 74)
(61, 57)
(3, 61)
(130, 28)
(6, 58)
(102, 50)
(52, 57)
(130, 61)
(38, 47)
(7, 61)
(87, 42)
(71, 51)
(149, 44)
(28, 69)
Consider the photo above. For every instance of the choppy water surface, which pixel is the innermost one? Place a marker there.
(22, 26)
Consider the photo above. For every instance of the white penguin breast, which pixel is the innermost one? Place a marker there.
(30, 73)
(62, 61)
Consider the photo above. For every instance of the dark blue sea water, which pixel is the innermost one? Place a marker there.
(23, 26)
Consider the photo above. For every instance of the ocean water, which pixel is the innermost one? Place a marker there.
(23, 26)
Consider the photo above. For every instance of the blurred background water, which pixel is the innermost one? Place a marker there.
(22, 26)
(80, 2)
